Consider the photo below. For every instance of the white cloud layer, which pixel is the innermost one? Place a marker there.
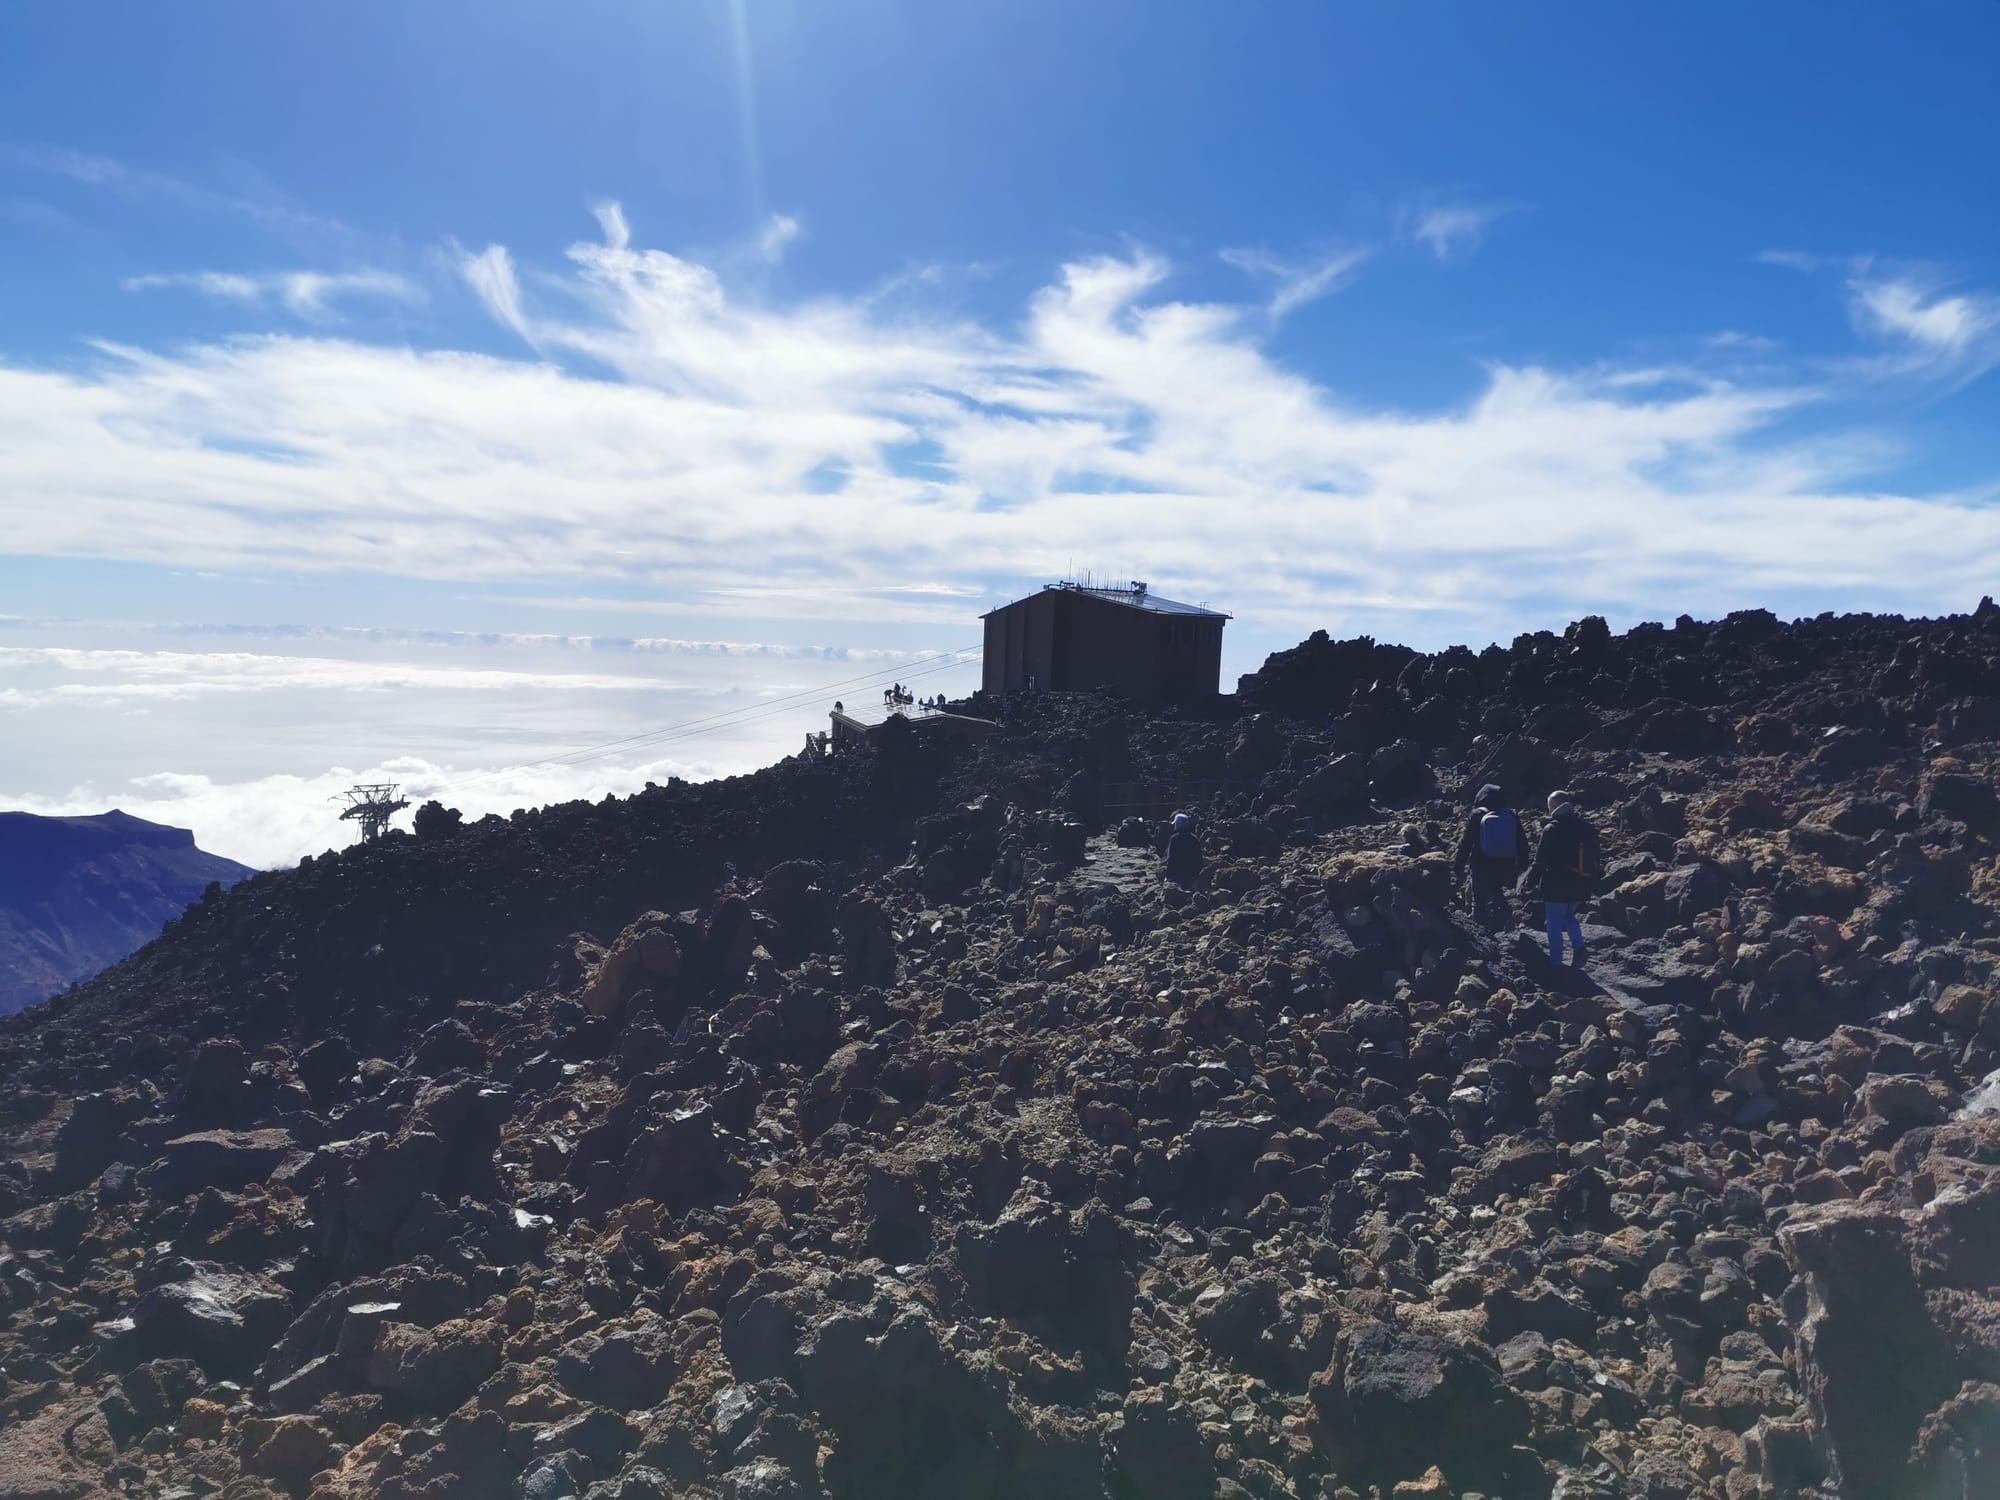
(816, 460)
(244, 747)
(389, 636)
(132, 676)
(272, 821)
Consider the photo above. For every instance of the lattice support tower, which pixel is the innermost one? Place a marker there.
(372, 807)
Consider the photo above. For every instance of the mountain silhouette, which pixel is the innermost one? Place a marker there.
(79, 894)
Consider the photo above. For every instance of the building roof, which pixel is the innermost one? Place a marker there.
(869, 718)
(1131, 598)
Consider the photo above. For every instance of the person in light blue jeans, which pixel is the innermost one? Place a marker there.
(1562, 918)
(1564, 873)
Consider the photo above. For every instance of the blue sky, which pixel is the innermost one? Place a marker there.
(439, 389)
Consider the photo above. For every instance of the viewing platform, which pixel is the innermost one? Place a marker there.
(862, 723)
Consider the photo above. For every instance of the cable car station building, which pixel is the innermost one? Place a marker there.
(1074, 635)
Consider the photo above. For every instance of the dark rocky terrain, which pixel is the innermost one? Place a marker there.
(78, 894)
(881, 1127)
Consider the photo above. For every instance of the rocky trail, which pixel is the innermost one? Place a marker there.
(883, 1126)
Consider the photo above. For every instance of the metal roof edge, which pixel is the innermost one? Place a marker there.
(1105, 596)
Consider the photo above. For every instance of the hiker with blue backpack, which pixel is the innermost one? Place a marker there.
(1493, 848)
(1565, 870)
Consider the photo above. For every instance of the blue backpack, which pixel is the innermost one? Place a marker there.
(1500, 835)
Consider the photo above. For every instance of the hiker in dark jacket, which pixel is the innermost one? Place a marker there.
(1494, 848)
(1564, 873)
(1183, 852)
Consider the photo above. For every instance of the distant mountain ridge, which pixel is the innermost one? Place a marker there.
(79, 894)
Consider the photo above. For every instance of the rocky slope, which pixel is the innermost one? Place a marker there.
(882, 1127)
(79, 894)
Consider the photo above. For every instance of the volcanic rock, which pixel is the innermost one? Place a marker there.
(875, 1126)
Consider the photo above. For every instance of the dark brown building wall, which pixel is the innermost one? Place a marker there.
(1020, 642)
(1187, 659)
(1101, 644)
(993, 663)
(1067, 640)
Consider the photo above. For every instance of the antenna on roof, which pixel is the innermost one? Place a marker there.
(372, 807)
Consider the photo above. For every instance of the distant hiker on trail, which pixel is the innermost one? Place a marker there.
(1493, 848)
(1183, 852)
(1567, 863)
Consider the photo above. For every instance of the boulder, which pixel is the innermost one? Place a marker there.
(288, 1449)
(1397, 1400)
(217, 1159)
(1036, 1261)
(903, 1409)
(436, 1368)
(626, 1367)
(215, 1085)
(1233, 1314)
(325, 1067)
(646, 954)
(1903, 1101)
(225, 1321)
(1696, 888)
(87, 1141)
(1901, 1325)
(448, 1046)
(1157, 1452)
(150, 1395)
(677, 1160)
(1964, 798)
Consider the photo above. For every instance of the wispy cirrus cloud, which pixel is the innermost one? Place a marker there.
(99, 171)
(1906, 308)
(1735, 340)
(35, 215)
(1929, 330)
(1450, 230)
(1299, 282)
(776, 237)
(309, 294)
(490, 275)
(804, 599)
(266, 208)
